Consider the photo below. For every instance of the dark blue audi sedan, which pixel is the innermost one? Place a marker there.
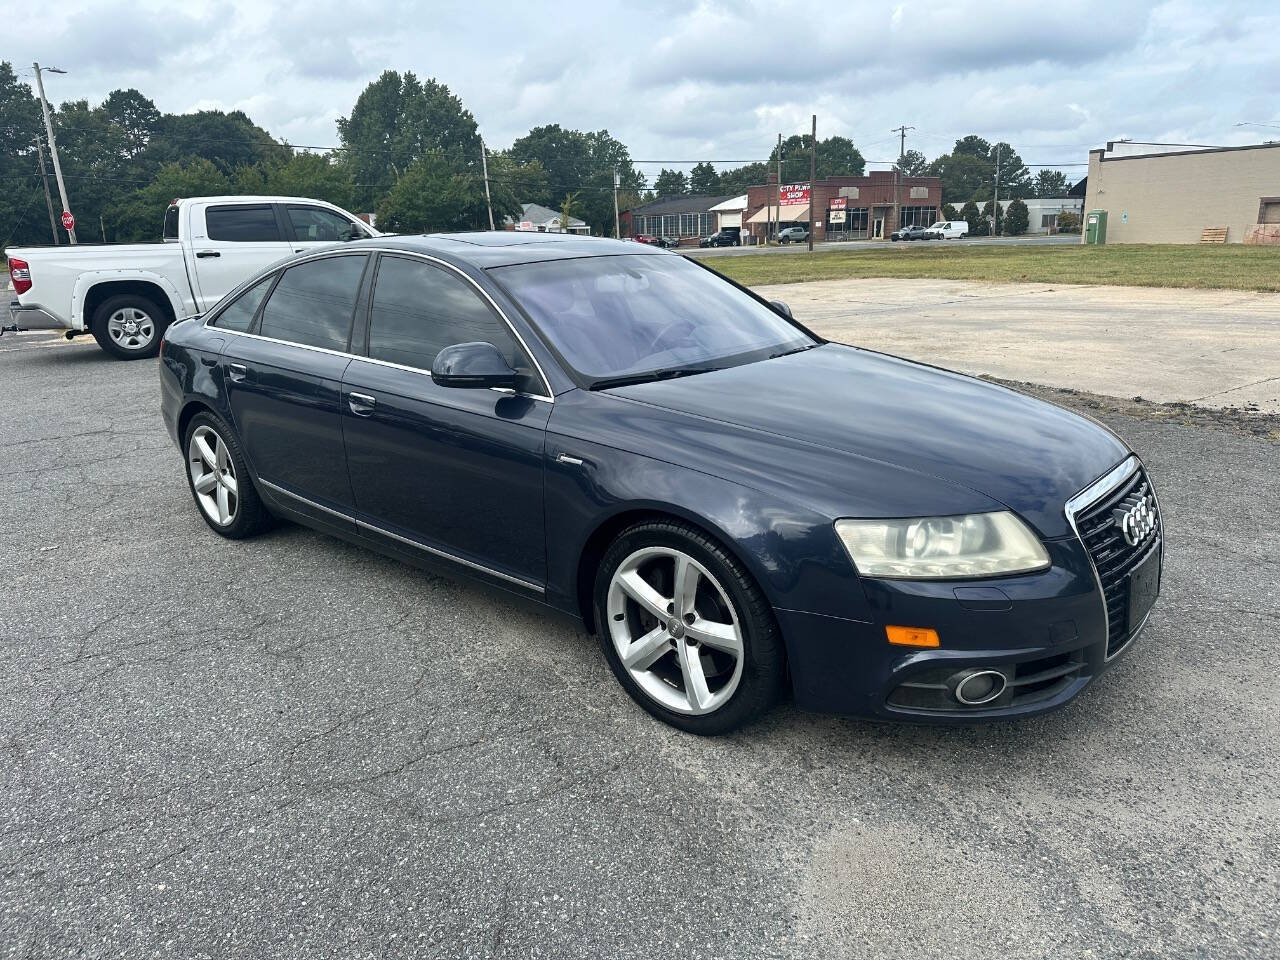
(737, 507)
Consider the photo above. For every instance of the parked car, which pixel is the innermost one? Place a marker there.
(733, 504)
(912, 232)
(126, 294)
(798, 234)
(667, 243)
(948, 230)
(646, 238)
(722, 238)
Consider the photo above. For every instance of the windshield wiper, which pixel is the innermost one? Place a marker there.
(787, 353)
(649, 375)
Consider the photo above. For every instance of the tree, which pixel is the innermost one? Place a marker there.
(135, 116)
(227, 140)
(23, 217)
(579, 162)
(837, 157)
(913, 164)
(1050, 183)
(1016, 219)
(739, 178)
(703, 180)
(432, 196)
(317, 175)
(396, 122)
(963, 176)
(670, 183)
(566, 211)
(949, 212)
(968, 172)
(969, 214)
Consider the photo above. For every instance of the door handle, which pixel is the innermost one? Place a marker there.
(237, 371)
(361, 404)
(201, 254)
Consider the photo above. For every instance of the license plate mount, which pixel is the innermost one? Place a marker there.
(1144, 587)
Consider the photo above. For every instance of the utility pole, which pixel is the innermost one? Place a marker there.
(777, 221)
(484, 165)
(617, 220)
(897, 174)
(813, 174)
(48, 200)
(53, 146)
(995, 203)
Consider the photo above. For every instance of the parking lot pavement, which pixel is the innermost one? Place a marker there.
(1214, 348)
(829, 247)
(291, 747)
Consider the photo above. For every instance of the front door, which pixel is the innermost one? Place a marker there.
(877, 228)
(315, 226)
(457, 471)
(230, 242)
(284, 380)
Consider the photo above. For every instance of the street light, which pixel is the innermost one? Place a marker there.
(53, 148)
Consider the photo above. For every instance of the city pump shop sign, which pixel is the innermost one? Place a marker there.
(793, 193)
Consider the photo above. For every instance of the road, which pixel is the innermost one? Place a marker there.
(1033, 241)
(291, 747)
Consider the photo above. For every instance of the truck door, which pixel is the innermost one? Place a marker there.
(312, 225)
(229, 243)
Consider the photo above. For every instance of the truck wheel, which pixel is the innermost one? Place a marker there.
(129, 327)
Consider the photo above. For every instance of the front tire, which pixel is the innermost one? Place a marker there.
(129, 327)
(686, 630)
(219, 480)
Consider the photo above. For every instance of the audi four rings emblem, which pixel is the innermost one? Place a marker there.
(1138, 521)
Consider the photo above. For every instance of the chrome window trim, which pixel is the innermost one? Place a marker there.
(1098, 490)
(548, 397)
(434, 551)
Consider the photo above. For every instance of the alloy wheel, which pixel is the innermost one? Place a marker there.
(131, 329)
(213, 476)
(675, 630)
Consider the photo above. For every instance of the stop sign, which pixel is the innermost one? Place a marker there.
(68, 221)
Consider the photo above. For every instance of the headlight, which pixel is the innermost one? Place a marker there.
(937, 548)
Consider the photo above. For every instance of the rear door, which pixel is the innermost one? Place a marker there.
(283, 377)
(311, 226)
(456, 470)
(229, 243)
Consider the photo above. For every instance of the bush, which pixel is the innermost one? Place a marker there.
(1016, 219)
(969, 214)
(987, 211)
(949, 212)
(1068, 222)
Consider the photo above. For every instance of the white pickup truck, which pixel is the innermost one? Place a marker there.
(127, 294)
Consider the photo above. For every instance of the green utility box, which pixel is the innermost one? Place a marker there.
(1095, 227)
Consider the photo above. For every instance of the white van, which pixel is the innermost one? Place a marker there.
(947, 230)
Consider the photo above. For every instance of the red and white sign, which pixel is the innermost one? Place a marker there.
(790, 193)
(68, 221)
(839, 203)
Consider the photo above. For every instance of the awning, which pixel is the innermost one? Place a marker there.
(791, 213)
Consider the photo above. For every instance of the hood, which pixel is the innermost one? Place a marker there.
(1026, 454)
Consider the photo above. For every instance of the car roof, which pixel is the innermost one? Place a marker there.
(501, 248)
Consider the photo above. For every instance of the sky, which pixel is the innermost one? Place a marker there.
(697, 79)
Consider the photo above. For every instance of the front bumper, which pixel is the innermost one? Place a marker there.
(1045, 633)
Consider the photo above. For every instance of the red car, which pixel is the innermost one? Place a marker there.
(645, 238)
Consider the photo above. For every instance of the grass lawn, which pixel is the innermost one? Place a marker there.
(1229, 267)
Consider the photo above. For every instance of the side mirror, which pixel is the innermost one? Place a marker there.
(352, 233)
(476, 365)
(782, 308)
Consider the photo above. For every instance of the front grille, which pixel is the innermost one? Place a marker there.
(1099, 526)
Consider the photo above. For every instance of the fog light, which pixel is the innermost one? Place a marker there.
(977, 687)
(913, 636)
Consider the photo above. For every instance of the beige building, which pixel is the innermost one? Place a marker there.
(1173, 195)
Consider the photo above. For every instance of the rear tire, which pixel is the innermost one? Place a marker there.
(129, 327)
(219, 480)
(716, 662)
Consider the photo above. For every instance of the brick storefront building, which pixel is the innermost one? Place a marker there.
(871, 210)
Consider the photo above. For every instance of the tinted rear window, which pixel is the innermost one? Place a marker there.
(239, 315)
(170, 224)
(242, 223)
(314, 302)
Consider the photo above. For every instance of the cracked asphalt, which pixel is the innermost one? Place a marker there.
(291, 747)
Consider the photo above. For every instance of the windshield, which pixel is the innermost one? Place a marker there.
(612, 317)
(939, 225)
